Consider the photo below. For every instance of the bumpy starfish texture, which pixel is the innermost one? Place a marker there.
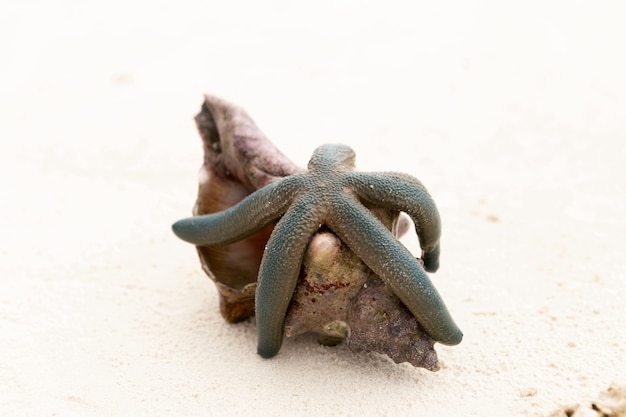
(331, 193)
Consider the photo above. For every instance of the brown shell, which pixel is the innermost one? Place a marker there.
(337, 297)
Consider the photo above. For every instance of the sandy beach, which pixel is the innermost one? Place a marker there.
(513, 116)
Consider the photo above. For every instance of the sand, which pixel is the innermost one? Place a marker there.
(512, 115)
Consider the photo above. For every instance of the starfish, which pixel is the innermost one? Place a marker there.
(333, 194)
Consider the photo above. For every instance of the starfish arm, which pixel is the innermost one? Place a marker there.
(279, 271)
(403, 192)
(242, 220)
(390, 260)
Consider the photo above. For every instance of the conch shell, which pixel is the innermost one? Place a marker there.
(337, 297)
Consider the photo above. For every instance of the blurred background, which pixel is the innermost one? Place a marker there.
(512, 114)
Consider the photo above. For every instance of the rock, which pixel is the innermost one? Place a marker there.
(610, 403)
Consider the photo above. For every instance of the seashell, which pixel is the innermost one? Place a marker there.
(337, 297)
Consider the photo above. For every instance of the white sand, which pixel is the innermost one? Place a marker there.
(514, 118)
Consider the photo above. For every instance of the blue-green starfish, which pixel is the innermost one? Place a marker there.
(331, 193)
